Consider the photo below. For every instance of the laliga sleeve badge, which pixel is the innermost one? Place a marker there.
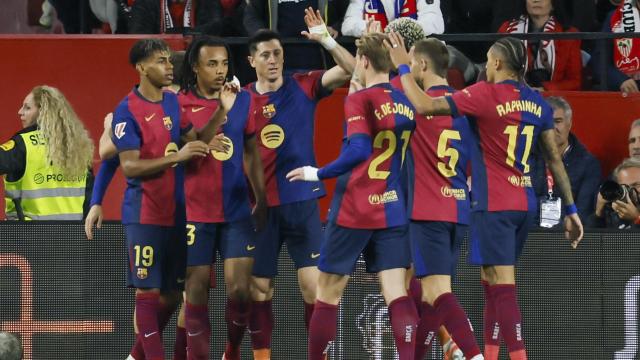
(550, 212)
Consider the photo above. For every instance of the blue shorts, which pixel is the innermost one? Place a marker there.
(297, 225)
(381, 249)
(157, 256)
(231, 240)
(498, 237)
(435, 246)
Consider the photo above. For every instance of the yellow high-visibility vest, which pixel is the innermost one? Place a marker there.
(44, 192)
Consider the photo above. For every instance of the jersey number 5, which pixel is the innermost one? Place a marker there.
(448, 170)
(392, 142)
(512, 131)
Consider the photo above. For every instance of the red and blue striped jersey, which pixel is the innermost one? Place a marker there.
(437, 165)
(153, 128)
(215, 186)
(506, 119)
(371, 195)
(284, 121)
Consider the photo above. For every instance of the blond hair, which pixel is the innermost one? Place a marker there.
(372, 46)
(68, 143)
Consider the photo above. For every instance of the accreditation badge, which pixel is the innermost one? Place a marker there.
(550, 212)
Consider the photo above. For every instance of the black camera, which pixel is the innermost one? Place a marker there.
(612, 191)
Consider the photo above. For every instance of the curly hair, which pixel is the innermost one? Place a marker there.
(408, 28)
(68, 143)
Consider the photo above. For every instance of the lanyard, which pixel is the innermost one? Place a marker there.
(549, 183)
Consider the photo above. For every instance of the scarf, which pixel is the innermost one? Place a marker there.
(402, 8)
(626, 52)
(169, 12)
(546, 56)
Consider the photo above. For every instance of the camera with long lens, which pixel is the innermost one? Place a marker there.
(612, 191)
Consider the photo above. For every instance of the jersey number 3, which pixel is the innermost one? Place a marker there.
(392, 143)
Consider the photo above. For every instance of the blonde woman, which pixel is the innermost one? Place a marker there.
(47, 163)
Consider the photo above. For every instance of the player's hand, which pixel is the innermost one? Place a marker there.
(219, 143)
(259, 214)
(626, 210)
(397, 52)
(573, 229)
(600, 203)
(191, 149)
(305, 173)
(318, 30)
(629, 86)
(372, 26)
(93, 217)
(228, 95)
(108, 119)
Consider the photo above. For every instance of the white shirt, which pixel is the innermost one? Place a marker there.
(429, 17)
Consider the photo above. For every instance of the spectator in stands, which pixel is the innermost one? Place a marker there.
(634, 139)
(10, 347)
(106, 11)
(624, 213)
(213, 17)
(287, 18)
(582, 167)
(75, 15)
(552, 64)
(52, 153)
(623, 65)
(426, 12)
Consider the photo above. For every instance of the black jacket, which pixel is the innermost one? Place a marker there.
(209, 19)
(584, 173)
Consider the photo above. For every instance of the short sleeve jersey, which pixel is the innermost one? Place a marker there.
(371, 196)
(284, 121)
(506, 119)
(215, 186)
(154, 129)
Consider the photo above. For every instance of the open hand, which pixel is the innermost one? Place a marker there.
(573, 229)
(93, 217)
(305, 173)
(397, 52)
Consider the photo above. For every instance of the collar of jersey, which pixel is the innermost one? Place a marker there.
(138, 94)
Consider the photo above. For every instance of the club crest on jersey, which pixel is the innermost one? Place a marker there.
(119, 130)
(142, 273)
(168, 124)
(272, 136)
(269, 111)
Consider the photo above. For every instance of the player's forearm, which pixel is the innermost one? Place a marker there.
(144, 167)
(421, 101)
(106, 148)
(103, 179)
(255, 172)
(353, 154)
(343, 58)
(210, 130)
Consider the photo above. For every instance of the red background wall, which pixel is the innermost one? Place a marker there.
(94, 74)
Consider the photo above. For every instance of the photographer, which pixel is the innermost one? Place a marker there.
(618, 200)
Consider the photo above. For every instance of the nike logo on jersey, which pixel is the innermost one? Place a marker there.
(316, 189)
(148, 118)
(179, 281)
(195, 110)
(315, 255)
(195, 334)
(150, 334)
(249, 247)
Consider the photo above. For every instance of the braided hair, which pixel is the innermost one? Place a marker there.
(192, 56)
(513, 53)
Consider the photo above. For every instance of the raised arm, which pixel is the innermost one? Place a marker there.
(573, 226)
(424, 104)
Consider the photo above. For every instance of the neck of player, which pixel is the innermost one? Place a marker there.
(264, 85)
(149, 91)
(505, 75)
(375, 78)
(207, 92)
(430, 80)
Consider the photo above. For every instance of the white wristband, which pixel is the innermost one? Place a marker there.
(310, 173)
(326, 40)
